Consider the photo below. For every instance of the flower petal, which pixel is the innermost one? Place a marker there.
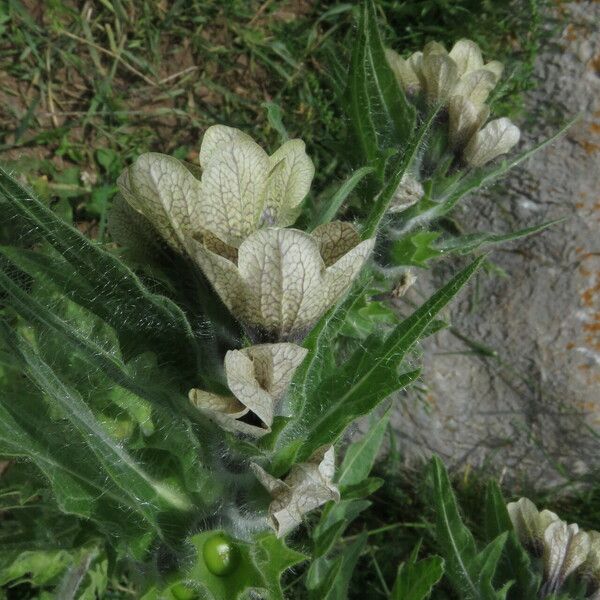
(226, 411)
(495, 67)
(233, 183)
(335, 239)
(223, 275)
(342, 273)
(282, 269)
(166, 193)
(408, 192)
(464, 120)
(242, 381)
(476, 86)
(288, 184)
(495, 139)
(275, 365)
(467, 56)
(403, 70)
(308, 486)
(216, 137)
(438, 77)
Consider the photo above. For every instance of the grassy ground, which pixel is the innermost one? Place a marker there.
(87, 86)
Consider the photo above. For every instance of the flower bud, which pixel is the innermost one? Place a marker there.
(496, 138)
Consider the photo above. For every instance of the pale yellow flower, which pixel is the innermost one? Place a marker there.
(441, 74)
(240, 188)
(497, 138)
(529, 523)
(591, 567)
(565, 550)
(307, 486)
(465, 119)
(258, 377)
(283, 280)
(408, 192)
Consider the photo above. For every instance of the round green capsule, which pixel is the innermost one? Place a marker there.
(180, 591)
(220, 555)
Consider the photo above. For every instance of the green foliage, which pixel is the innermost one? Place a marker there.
(415, 580)
(379, 114)
(115, 483)
(470, 571)
(258, 567)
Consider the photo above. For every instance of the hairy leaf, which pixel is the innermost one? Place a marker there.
(415, 580)
(104, 284)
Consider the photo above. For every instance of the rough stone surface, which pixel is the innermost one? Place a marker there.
(537, 404)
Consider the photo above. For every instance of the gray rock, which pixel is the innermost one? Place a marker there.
(534, 408)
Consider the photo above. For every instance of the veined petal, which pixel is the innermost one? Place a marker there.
(275, 365)
(529, 523)
(495, 139)
(403, 70)
(408, 192)
(415, 62)
(162, 189)
(242, 381)
(476, 86)
(495, 67)
(308, 486)
(222, 274)
(591, 567)
(226, 411)
(290, 177)
(467, 56)
(335, 239)
(282, 270)
(341, 274)
(217, 137)
(438, 76)
(565, 549)
(432, 48)
(233, 183)
(464, 120)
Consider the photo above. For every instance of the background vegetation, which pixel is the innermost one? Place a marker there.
(86, 87)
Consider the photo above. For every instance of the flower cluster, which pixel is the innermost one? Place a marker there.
(459, 82)
(231, 216)
(564, 548)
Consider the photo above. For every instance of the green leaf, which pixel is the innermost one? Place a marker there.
(336, 582)
(97, 357)
(415, 580)
(143, 495)
(360, 456)
(515, 564)
(465, 244)
(333, 205)
(380, 116)
(415, 249)
(106, 287)
(470, 573)
(37, 567)
(403, 160)
(370, 375)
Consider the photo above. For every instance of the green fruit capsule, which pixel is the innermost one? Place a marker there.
(182, 592)
(220, 555)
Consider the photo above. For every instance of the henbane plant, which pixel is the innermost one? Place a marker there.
(218, 379)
